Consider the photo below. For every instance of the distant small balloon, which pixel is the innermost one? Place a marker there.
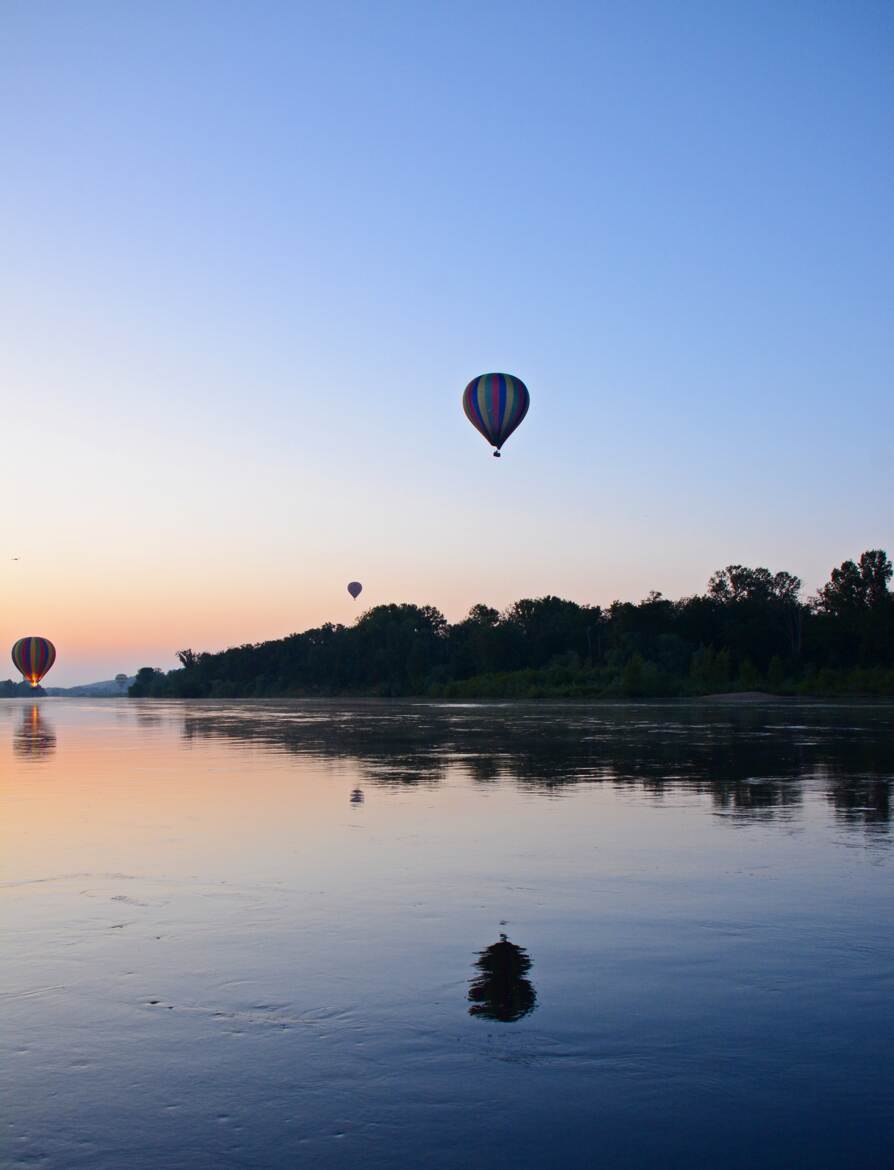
(355, 589)
(33, 657)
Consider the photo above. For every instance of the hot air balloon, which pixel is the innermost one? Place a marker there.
(355, 589)
(495, 404)
(33, 657)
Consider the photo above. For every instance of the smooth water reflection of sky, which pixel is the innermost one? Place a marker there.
(271, 934)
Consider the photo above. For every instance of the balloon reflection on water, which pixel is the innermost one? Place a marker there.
(34, 738)
(501, 990)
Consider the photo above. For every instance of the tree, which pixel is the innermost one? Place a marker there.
(483, 615)
(549, 626)
(854, 587)
(776, 674)
(737, 583)
(150, 682)
(632, 677)
(710, 670)
(876, 571)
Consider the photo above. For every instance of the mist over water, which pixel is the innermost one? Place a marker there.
(330, 934)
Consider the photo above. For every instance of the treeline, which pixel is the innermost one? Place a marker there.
(13, 690)
(749, 631)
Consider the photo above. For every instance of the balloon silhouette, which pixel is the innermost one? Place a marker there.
(33, 657)
(355, 589)
(495, 404)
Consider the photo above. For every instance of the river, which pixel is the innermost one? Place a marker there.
(264, 935)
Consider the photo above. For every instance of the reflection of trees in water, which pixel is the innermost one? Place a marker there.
(757, 796)
(729, 781)
(148, 718)
(485, 769)
(862, 801)
(501, 989)
(34, 738)
(753, 763)
(860, 792)
(416, 771)
(387, 752)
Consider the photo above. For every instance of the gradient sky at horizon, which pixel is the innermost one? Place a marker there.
(252, 253)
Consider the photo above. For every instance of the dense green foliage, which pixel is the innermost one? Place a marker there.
(749, 631)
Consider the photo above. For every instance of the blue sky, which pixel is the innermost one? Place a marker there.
(252, 253)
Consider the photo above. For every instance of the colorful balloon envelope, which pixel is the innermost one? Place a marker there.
(495, 404)
(33, 657)
(355, 589)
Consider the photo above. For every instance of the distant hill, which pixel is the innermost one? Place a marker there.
(109, 688)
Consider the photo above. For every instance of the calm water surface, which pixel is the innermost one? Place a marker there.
(283, 935)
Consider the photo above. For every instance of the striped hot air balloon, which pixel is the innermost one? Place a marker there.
(495, 404)
(33, 657)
